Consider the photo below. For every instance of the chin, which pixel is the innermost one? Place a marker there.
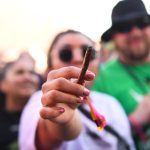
(137, 53)
(138, 57)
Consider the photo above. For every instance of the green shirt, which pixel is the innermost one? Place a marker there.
(128, 83)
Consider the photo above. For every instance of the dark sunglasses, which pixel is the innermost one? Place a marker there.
(128, 26)
(66, 54)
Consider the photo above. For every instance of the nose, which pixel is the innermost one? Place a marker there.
(77, 56)
(27, 76)
(135, 30)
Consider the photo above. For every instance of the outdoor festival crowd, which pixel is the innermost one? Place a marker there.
(48, 111)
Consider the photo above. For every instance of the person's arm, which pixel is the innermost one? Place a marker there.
(142, 112)
(140, 117)
(60, 120)
(50, 135)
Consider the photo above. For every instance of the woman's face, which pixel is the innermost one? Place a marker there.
(20, 80)
(73, 42)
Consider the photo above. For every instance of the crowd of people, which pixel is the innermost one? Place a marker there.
(18, 81)
(49, 112)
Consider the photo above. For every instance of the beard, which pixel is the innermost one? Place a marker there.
(135, 54)
(136, 57)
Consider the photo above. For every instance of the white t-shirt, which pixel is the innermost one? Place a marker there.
(105, 104)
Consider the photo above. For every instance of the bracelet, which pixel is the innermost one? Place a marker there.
(138, 128)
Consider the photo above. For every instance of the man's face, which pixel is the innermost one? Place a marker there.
(134, 44)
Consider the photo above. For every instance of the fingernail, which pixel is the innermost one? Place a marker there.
(61, 110)
(79, 100)
(90, 75)
(86, 92)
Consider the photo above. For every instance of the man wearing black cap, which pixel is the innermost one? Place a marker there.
(128, 78)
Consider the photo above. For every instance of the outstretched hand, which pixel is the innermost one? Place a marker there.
(61, 95)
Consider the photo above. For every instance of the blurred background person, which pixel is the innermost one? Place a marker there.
(128, 77)
(26, 57)
(18, 83)
(107, 51)
(58, 127)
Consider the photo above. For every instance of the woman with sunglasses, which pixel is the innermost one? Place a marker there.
(57, 123)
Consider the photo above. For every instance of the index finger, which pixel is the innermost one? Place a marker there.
(68, 73)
